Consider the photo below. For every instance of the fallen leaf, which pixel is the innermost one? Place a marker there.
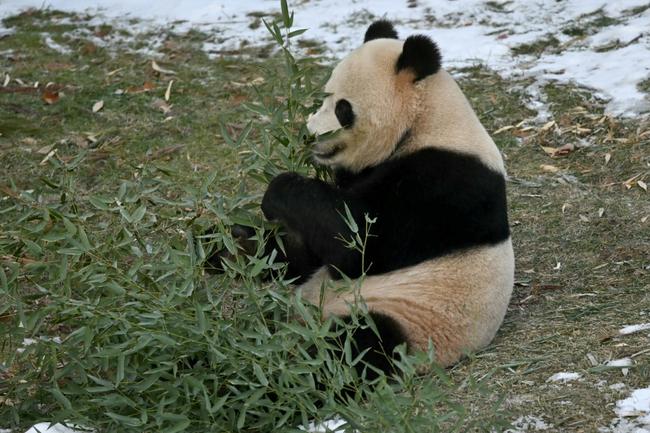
(608, 156)
(146, 87)
(550, 151)
(559, 151)
(157, 68)
(644, 219)
(50, 97)
(45, 149)
(601, 212)
(503, 129)
(48, 156)
(98, 106)
(113, 72)
(583, 218)
(254, 82)
(168, 92)
(91, 137)
(628, 183)
(7, 80)
(522, 133)
(642, 185)
(549, 168)
(547, 126)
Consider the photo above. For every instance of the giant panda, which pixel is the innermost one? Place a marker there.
(407, 150)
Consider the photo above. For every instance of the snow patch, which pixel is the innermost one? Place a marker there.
(31, 341)
(612, 59)
(631, 329)
(3, 33)
(633, 414)
(330, 425)
(638, 404)
(55, 45)
(623, 362)
(564, 377)
(46, 427)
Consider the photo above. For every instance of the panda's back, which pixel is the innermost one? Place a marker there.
(428, 204)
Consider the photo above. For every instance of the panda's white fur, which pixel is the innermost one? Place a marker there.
(457, 301)
(405, 147)
(434, 108)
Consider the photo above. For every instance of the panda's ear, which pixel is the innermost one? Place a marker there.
(420, 55)
(380, 29)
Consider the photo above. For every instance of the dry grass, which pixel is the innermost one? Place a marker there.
(581, 230)
(581, 221)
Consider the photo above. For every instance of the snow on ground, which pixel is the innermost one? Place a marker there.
(611, 56)
(633, 414)
(564, 377)
(331, 425)
(46, 427)
(623, 362)
(599, 44)
(631, 329)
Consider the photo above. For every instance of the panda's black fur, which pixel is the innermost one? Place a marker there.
(463, 205)
(380, 29)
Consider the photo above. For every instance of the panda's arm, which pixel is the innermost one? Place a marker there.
(314, 209)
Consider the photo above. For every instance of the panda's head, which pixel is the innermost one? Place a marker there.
(372, 99)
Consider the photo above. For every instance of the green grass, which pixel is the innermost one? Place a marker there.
(102, 218)
(549, 42)
(100, 245)
(588, 24)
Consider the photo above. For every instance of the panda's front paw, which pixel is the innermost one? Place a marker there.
(278, 194)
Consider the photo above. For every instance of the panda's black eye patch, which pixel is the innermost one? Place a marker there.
(344, 113)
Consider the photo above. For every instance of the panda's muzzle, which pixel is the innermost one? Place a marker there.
(328, 145)
(330, 152)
